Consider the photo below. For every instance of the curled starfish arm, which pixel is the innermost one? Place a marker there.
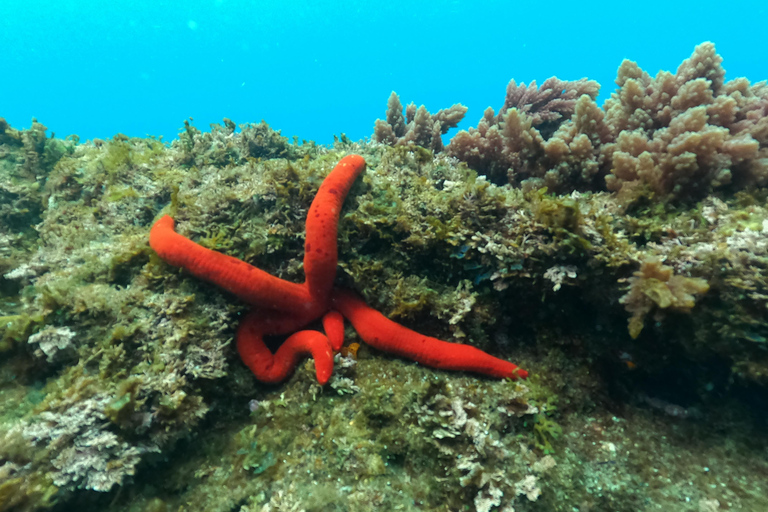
(333, 325)
(388, 336)
(247, 282)
(272, 368)
(320, 251)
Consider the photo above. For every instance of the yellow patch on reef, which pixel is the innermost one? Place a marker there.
(351, 350)
(654, 286)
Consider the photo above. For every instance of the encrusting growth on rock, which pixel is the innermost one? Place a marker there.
(654, 286)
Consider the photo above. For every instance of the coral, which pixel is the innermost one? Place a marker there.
(429, 243)
(687, 134)
(549, 105)
(674, 137)
(418, 127)
(509, 147)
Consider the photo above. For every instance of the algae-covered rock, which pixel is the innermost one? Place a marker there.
(121, 388)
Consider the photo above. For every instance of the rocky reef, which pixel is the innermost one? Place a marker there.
(635, 297)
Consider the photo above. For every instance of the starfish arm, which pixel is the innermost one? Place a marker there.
(320, 250)
(388, 336)
(333, 325)
(272, 368)
(282, 306)
(247, 282)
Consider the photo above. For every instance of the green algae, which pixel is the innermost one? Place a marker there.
(16, 329)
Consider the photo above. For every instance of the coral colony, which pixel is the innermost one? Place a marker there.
(619, 253)
(679, 135)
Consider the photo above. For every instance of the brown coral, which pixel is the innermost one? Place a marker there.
(676, 136)
(687, 134)
(532, 142)
(550, 104)
(513, 150)
(418, 126)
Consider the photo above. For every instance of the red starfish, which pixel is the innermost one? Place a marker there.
(282, 307)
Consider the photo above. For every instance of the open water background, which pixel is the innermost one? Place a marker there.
(315, 68)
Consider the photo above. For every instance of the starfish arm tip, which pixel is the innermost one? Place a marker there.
(518, 373)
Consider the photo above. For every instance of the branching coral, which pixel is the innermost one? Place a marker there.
(418, 127)
(676, 136)
(686, 134)
(548, 136)
(509, 147)
(549, 105)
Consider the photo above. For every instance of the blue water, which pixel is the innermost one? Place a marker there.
(319, 68)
